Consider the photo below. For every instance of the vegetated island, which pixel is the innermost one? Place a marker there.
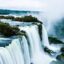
(29, 18)
(7, 30)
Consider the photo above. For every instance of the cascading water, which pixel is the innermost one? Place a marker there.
(37, 53)
(27, 48)
(12, 54)
(15, 50)
(46, 41)
(45, 37)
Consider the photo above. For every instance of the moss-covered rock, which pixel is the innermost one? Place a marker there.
(7, 30)
(50, 52)
(54, 40)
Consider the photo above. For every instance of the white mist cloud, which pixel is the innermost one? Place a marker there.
(53, 12)
(23, 4)
(55, 9)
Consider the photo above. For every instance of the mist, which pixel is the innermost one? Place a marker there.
(53, 15)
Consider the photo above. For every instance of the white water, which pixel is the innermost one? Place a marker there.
(46, 41)
(16, 51)
(25, 50)
(37, 54)
(20, 51)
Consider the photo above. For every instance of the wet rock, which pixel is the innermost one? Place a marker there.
(60, 57)
(54, 40)
(50, 52)
(31, 63)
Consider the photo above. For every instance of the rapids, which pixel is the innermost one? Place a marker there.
(27, 48)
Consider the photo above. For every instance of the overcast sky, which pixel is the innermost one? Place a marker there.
(23, 4)
(31, 4)
(42, 5)
(53, 8)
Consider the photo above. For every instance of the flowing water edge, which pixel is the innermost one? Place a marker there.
(32, 47)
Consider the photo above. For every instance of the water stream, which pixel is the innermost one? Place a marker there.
(27, 48)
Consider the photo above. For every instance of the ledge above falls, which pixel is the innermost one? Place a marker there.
(11, 24)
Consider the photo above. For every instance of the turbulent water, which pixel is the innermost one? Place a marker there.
(27, 48)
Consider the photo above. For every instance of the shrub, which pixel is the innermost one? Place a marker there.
(22, 19)
(7, 30)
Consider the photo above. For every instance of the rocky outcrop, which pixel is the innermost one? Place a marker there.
(54, 40)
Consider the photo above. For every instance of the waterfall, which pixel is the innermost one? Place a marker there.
(12, 54)
(45, 41)
(34, 43)
(16, 52)
(37, 53)
(5, 56)
(27, 48)
(45, 37)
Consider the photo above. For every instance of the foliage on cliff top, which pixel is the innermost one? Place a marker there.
(22, 19)
(7, 30)
(54, 40)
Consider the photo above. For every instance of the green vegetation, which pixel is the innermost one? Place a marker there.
(7, 30)
(54, 40)
(27, 19)
(62, 55)
(21, 19)
(10, 31)
(6, 17)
